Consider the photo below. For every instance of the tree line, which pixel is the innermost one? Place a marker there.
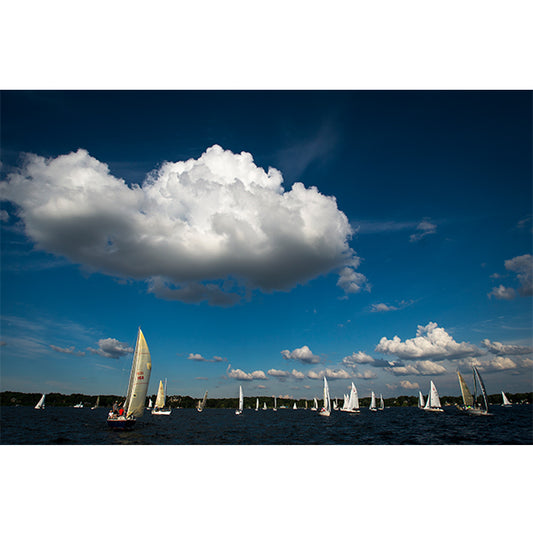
(56, 399)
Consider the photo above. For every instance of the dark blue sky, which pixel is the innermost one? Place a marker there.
(436, 186)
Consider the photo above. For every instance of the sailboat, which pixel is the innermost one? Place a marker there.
(264, 406)
(421, 400)
(326, 409)
(97, 404)
(275, 408)
(335, 406)
(241, 402)
(315, 405)
(381, 403)
(470, 405)
(149, 403)
(78, 406)
(201, 403)
(257, 404)
(159, 407)
(306, 404)
(373, 402)
(40, 403)
(141, 368)
(433, 401)
(351, 403)
(506, 402)
(294, 406)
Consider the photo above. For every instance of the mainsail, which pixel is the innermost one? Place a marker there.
(241, 399)
(327, 400)
(482, 386)
(373, 401)
(40, 403)
(468, 399)
(505, 400)
(420, 399)
(433, 400)
(139, 378)
(160, 400)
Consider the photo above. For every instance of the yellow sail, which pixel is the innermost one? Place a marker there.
(468, 400)
(160, 400)
(139, 378)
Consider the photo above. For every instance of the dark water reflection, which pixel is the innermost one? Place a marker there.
(396, 425)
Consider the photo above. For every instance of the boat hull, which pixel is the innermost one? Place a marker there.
(237, 412)
(323, 412)
(121, 423)
(161, 412)
(434, 409)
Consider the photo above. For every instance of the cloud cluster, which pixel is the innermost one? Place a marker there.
(190, 228)
(424, 368)
(364, 359)
(112, 349)
(199, 357)
(431, 342)
(522, 266)
(405, 384)
(505, 349)
(303, 354)
(330, 373)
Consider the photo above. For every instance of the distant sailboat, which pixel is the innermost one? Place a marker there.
(351, 403)
(306, 404)
(381, 403)
(373, 402)
(40, 403)
(275, 408)
(241, 402)
(201, 403)
(335, 406)
(421, 400)
(315, 405)
(506, 402)
(97, 404)
(326, 409)
(257, 404)
(78, 406)
(433, 401)
(149, 403)
(471, 405)
(141, 368)
(264, 406)
(159, 407)
(294, 406)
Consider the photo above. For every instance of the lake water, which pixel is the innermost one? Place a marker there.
(395, 425)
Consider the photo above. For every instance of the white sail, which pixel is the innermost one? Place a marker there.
(97, 404)
(241, 399)
(326, 410)
(294, 406)
(257, 404)
(505, 400)
(381, 403)
(139, 378)
(373, 402)
(420, 400)
(275, 408)
(356, 397)
(201, 403)
(40, 403)
(345, 403)
(315, 404)
(433, 401)
(150, 403)
(160, 400)
(264, 406)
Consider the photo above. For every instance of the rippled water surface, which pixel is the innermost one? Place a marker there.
(395, 425)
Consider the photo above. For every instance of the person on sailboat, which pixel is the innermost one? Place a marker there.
(115, 408)
(121, 411)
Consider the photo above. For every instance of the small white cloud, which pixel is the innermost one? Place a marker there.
(367, 374)
(303, 354)
(112, 349)
(278, 373)
(330, 373)
(352, 282)
(423, 229)
(425, 368)
(502, 293)
(196, 357)
(297, 375)
(382, 308)
(71, 350)
(405, 384)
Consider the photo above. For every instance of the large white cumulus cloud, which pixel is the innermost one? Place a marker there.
(218, 219)
(431, 342)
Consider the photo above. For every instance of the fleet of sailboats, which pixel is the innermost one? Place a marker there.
(141, 368)
(40, 403)
(433, 401)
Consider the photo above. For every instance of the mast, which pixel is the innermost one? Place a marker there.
(482, 387)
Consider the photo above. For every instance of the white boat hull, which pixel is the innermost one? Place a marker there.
(323, 412)
(434, 409)
(161, 412)
(350, 410)
(237, 412)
